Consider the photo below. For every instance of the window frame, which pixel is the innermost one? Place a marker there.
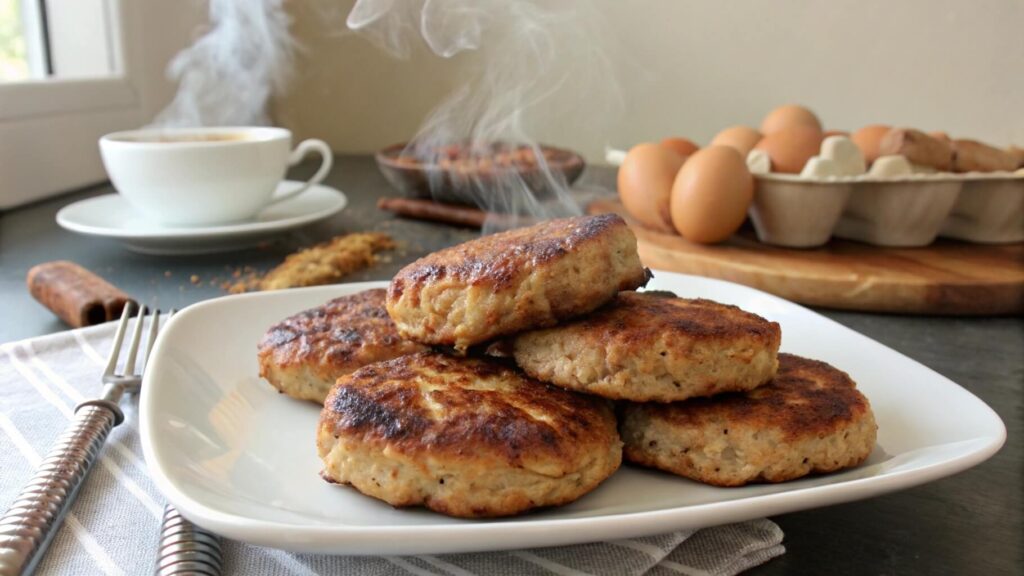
(49, 128)
(35, 37)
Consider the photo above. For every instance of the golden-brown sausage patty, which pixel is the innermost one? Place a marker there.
(516, 280)
(466, 437)
(810, 418)
(304, 354)
(652, 346)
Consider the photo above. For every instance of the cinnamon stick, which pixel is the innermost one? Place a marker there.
(74, 294)
(434, 211)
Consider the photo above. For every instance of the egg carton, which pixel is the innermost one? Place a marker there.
(903, 209)
(906, 211)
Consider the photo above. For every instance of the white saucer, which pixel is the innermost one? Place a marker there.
(110, 216)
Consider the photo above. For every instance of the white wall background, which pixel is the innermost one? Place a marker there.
(690, 68)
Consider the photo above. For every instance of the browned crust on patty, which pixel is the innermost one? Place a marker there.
(498, 260)
(809, 419)
(320, 344)
(806, 398)
(468, 437)
(529, 277)
(641, 318)
(385, 403)
(653, 346)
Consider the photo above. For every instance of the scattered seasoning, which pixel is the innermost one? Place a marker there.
(246, 279)
(194, 279)
(167, 273)
(321, 264)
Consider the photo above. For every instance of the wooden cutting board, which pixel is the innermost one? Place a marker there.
(947, 277)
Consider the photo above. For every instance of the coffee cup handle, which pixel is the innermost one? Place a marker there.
(300, 152)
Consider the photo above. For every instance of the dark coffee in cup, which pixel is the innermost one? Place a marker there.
(174, 138)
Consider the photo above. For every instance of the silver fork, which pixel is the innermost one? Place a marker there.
(28, 526)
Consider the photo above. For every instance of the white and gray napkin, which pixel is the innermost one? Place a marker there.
(113, 527)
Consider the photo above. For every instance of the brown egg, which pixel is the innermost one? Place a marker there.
(742, 138)
(791, 148)
(645, 183)
(682, 146)
(711, 194)
(787, 117)
(940, 135)
(867, 139)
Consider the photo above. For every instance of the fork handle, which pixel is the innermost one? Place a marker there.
(28, 526)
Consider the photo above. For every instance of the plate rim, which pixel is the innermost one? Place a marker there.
(437, 538)
(201, 232)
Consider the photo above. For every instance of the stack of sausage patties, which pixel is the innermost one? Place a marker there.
(704, 392)
(446, 424)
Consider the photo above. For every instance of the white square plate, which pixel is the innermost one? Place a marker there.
(240, 459)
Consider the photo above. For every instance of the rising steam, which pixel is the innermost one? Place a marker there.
(532, 60)
(525, 64)
(227, 77)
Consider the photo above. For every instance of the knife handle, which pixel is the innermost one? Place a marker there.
(28, 526)
(186, 548)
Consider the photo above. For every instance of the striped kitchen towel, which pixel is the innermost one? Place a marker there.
(114, 525)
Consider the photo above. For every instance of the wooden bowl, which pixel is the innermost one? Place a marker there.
(456, 177)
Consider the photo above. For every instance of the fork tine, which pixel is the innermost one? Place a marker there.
(136, 337)
(154, 325)
(154, 328)
(133, 349)
(115, 351)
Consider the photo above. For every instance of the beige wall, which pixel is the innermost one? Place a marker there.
(691, 68)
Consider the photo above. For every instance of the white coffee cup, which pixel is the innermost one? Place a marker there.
(205, 176)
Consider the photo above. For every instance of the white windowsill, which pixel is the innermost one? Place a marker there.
(24, 100)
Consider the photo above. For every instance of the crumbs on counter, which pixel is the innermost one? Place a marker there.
(244, 279)
(321, 264)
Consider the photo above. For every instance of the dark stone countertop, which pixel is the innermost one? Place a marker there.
(971, 523)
